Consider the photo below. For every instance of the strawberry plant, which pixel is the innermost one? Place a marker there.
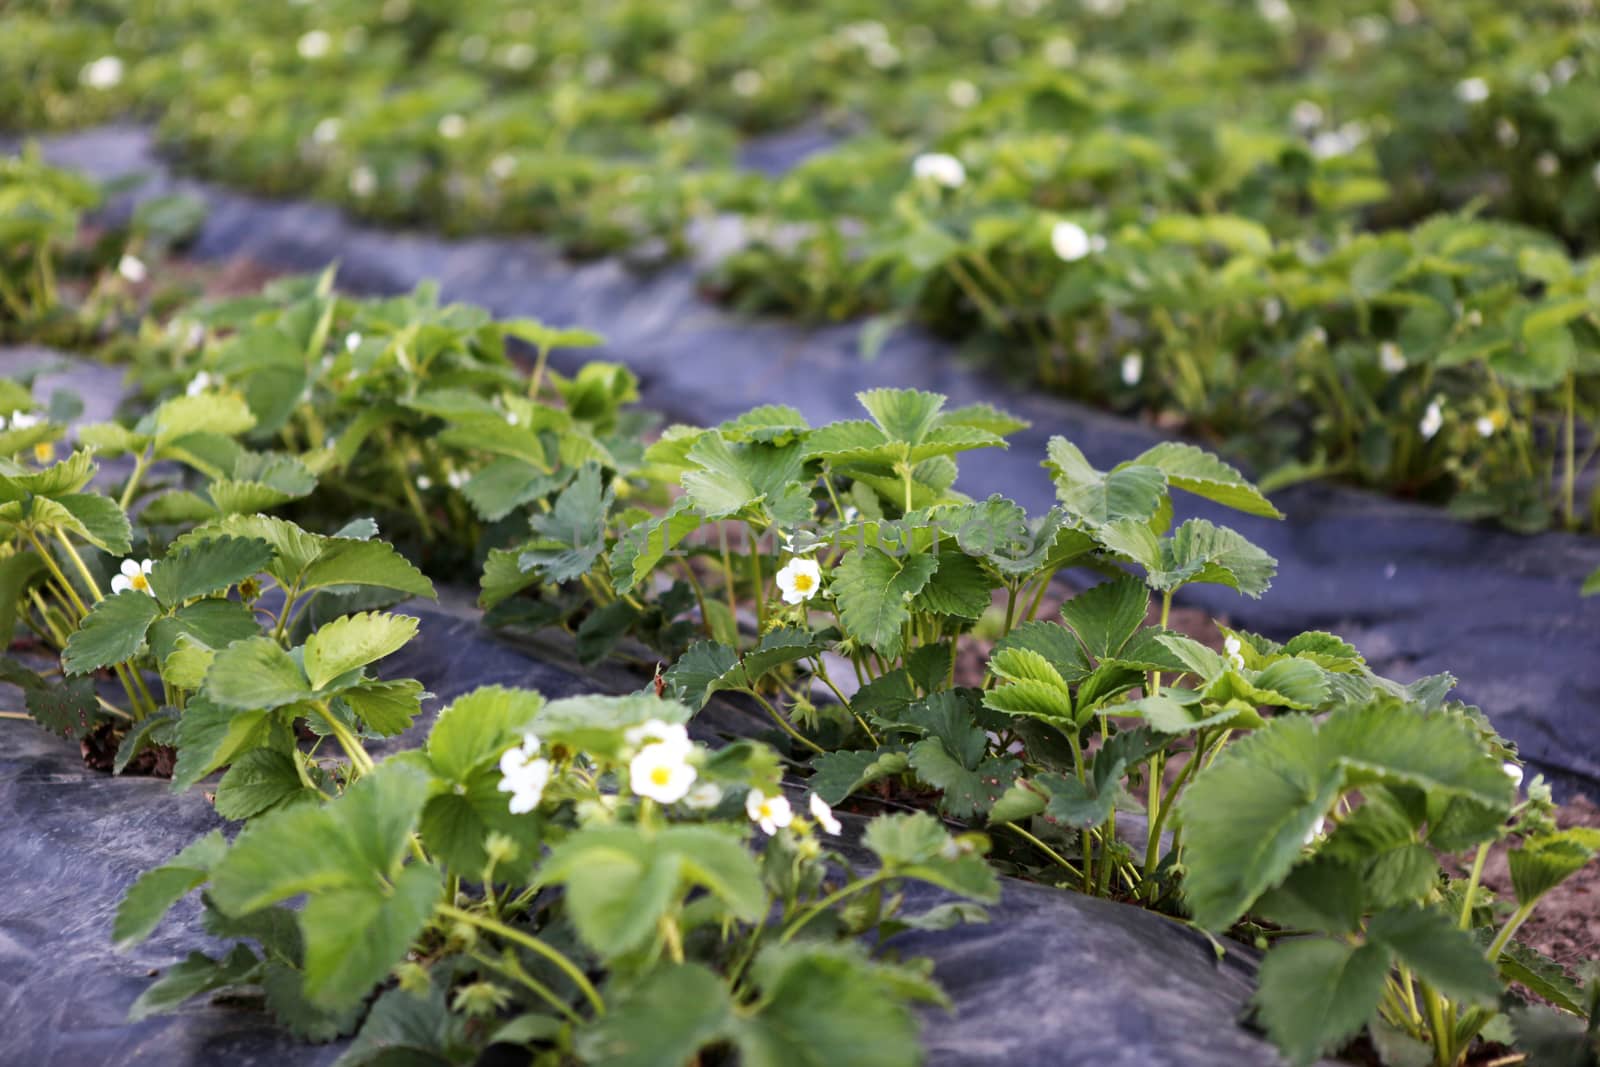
(671, 936)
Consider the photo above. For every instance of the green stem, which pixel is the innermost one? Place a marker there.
(1472, 885)
(1518, 917)
(1046, 849)
(784, 724)
(140, 464)
(359, 758)
(512, 970)
(533, 944)
(827, 902)
(1569, 451)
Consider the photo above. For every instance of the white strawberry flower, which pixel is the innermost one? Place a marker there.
(941, 168)
(457, 479)
(1390, 358)
(363, 182)
(1513, 772)
(704, 796)
(1485, 425)
(424, 482)
(1070, 241)
(747, 83)
(799, 580)
(313, 44)
(1235, 650)
(352, 341)
(132, 268)
(199, 384)
(657, 732)
(662, 772)
(452, 126)
(821, 812)
(962, 93)
(135, 575)
(524, 775)
(22, 420)
(1432, 420)
(1306, 114)
(104, 73)
(326, 131)
(1472, 90)
(770, 813)
(1548, 165)
(1132, 369)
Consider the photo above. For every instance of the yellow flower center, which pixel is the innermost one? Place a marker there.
(44, 452)
(765, 809)
(140, 582)
(660, 775)
(802, 582)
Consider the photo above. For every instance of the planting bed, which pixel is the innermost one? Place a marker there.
(397, 671)
(1413, 588)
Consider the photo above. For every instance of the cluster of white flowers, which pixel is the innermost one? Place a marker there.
(1235, 649)
(799, 580)
(103, 74)
(20, 420)
(940, 168)
(135, 575)
(524, 774)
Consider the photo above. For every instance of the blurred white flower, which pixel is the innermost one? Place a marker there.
(132, 268)
(1390, 358)
(962, 93)
(1132, 369)
(1486, 425)
(519, 56)
(747, 83)
(313, 44)
(657, 732)
(1432, 420)
(1505, 131)
(502, 166)
(326, 131)
(452, 126)
(1060, 52)
(1307, 115)
(1472, 90)
(821, 812)
(939, 168)
(1547, 165)
(1276, 11)
(104, 73)
(1563, 71)
(1271, 310)
(424, 482)
(363, 183)
(1513, 772)
(199, 384)
(704, 796)
(662, 772)
(457, 479)
(770, 813)
(1235, 649)
(524, 775)
(1070, 241)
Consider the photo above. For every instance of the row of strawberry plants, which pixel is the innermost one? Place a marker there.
(1219, 265)
(834, 576)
